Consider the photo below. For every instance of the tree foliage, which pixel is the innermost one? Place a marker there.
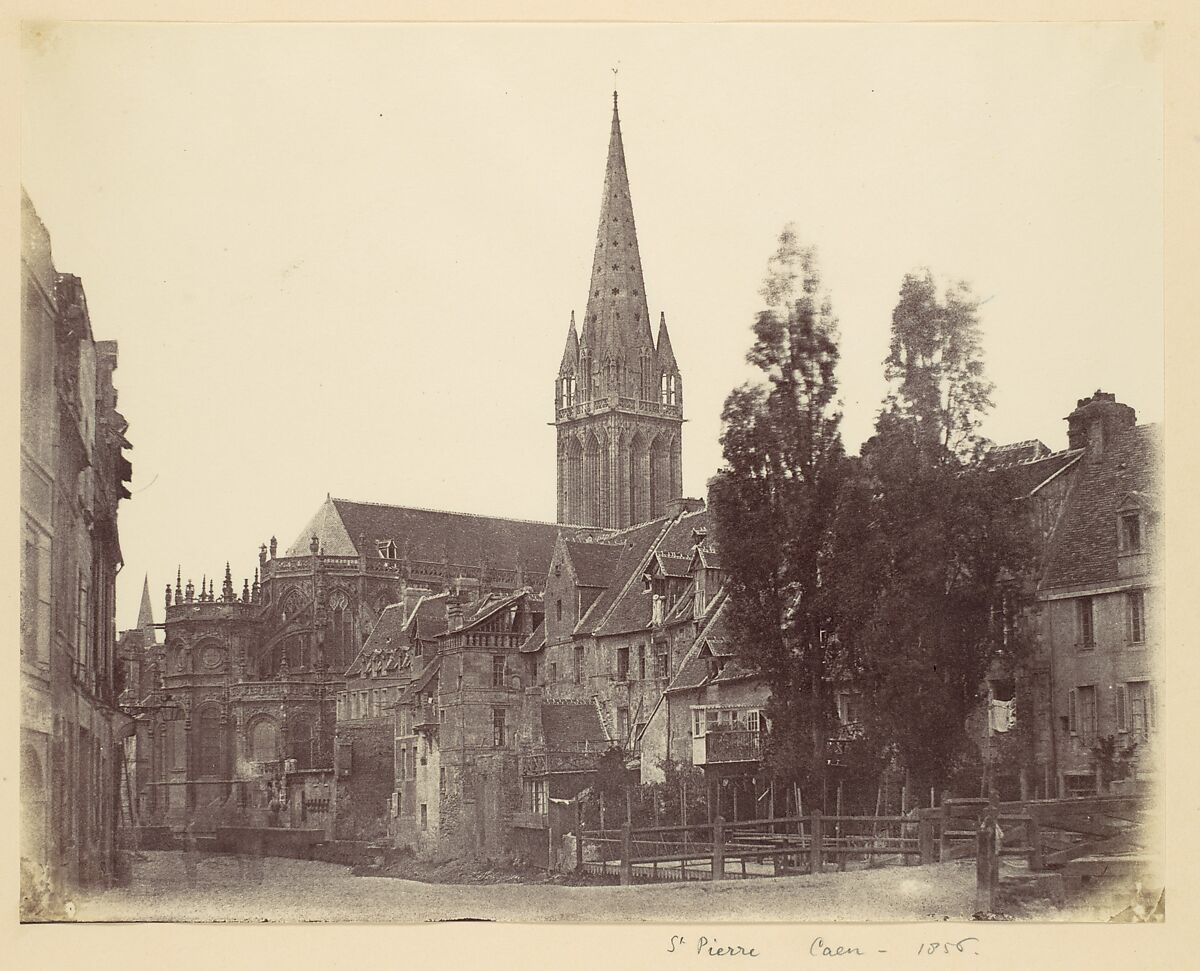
(934, 366)
(931, 547)
(774, 501)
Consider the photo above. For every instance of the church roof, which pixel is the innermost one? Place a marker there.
(428, 535)
(616, 314)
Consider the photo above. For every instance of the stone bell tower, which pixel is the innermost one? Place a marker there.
(618, 398)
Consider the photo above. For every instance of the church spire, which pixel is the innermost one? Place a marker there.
(616, 320)
(146, 612)
(570, 358)
(663, 350)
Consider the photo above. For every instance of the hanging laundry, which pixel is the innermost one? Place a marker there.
(1003, 715)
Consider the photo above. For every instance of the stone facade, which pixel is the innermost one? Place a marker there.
(72, 479)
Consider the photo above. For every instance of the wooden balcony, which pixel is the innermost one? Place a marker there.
(718, 746)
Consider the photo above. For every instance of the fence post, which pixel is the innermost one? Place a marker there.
(815, 864)
(718, 853)
(944, 835)
(626, 855)
(985, 868)
(578, 835)
(925, 834)
(1034, 829)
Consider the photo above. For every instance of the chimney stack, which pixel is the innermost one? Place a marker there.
(1096, 421)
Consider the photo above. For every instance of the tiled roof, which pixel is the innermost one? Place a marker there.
(999, 456)
(594, 562)
(536, 641)
(422, 683)
(1084, 547)
(429, 536)
(709, 558)
(713, 641)
(386, 647)
(630, 607)
(428, 619)
(571, 723)
(674, 564)
(1028, 475)
(627, 578)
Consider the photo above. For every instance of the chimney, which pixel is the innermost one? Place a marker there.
(454, 613)
(410, 597)
(683, 505)
(1096, 421)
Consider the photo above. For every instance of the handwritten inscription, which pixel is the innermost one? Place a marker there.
(819, 947)
(710, 948)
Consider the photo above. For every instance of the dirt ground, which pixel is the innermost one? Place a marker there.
(293, 891)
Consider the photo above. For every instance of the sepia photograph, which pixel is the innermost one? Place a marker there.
(592, 473)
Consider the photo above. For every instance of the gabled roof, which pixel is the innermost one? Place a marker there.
(536, 641)
(620, 605)
(571, 723)
(422, 683)
(386, 649)
(593, 563)
(1084, 547)
(429, 536)
(673, 565)
(707, 557)
(428, 619)
(632, 608)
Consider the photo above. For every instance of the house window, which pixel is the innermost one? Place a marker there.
(622, 664)
(1139, 708)
(442, 781)
(1085, 623)
(622, 723)
(753, 721)
(387, 550)
(498, 671)
(558, 610)
(1136, 600)
(537, 796)
(498, 728)
(424, 816)
(1131, 532)
(641, 662)
(579, 665)
(553, 672)
(1081, 714)
(661, 666)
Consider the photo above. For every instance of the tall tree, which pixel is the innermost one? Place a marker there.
(935, 367)
(775, 500)
(930, 546)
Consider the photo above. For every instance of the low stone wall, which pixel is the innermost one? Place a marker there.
(295, 843)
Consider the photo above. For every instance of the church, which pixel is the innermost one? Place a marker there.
(251, 683)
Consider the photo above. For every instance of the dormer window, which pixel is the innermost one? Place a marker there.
(1130, 532)
(387, 550)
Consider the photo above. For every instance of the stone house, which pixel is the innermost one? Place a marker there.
(73, 475)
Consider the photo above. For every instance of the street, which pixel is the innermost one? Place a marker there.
(298, 891)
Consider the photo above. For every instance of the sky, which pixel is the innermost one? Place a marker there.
(341, 259)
